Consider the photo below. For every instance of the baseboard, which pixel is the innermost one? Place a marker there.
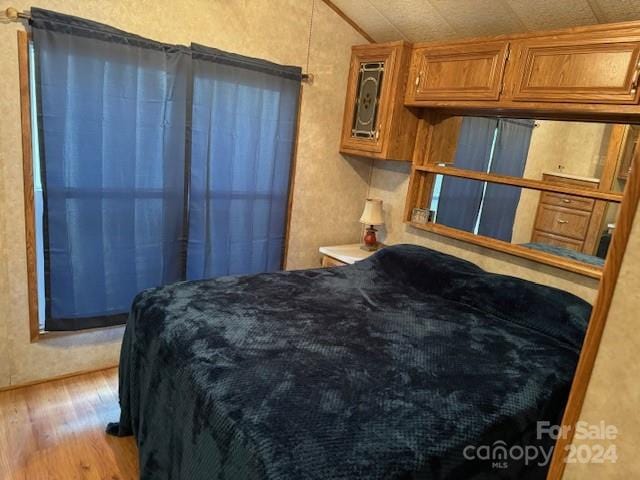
(57, 377)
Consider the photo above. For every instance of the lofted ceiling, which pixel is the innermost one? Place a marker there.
(425, 20)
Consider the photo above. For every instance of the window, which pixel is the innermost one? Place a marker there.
(152, 163)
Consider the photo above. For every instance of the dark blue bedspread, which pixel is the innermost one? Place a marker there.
(383, 369)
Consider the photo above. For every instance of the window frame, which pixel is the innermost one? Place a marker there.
(24, 66)
(28, 187)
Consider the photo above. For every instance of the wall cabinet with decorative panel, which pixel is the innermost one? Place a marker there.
(376, 123)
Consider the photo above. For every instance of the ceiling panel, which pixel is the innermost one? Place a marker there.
(550, 14)
(617, 10)
(474, 18)
(370, 20)
(419, 20)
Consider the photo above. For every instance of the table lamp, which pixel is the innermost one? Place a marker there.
(372, 215)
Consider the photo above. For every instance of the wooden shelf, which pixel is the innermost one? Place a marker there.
(509, 248)
(521, 182)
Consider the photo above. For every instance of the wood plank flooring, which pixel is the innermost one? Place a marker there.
(55, 431)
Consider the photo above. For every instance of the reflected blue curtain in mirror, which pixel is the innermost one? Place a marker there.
(460, 198)
(244, 122)
(509, 158)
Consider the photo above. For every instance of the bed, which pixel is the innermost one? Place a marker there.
(385, 369)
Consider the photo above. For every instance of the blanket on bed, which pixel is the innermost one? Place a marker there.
(386, 369)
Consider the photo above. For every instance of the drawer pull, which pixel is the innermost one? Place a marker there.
(562, 221)
(566, 200)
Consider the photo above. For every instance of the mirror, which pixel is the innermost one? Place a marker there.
(597, 153)
(563, 225)
(570, 154)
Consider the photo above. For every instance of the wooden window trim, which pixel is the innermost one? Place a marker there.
(292, 178)
(27, 173)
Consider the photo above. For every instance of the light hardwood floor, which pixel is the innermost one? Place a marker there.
(56, 431)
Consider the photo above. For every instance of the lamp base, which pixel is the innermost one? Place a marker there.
(370, 240)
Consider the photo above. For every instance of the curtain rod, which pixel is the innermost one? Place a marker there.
(13, 15)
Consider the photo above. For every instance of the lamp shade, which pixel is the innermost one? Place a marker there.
(372, 214)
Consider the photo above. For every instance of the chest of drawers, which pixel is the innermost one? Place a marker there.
(565, 220)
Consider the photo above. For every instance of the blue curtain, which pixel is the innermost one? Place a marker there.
(244, 121)
(509, 158)
(460, 198)
(112, 124)
(127, 178)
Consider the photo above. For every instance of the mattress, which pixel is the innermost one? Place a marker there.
(386, 369)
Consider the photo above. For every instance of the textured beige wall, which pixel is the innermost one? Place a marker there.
(325, 182)
(613, 395)
(389, 182)
(577, 148)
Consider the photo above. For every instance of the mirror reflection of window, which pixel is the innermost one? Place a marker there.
(574, 154)
(487, 145)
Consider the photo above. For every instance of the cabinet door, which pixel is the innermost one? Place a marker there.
(459, 72)
(368, 104)
(597, 70)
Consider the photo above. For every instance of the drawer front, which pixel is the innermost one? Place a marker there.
(463, 72)
(587, 70)
(567, 201)
(331, 262)
(562, 221)
(550, 177)
(550, 239)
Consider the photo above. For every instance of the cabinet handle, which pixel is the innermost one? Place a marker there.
(378, 131)
(566, 200)
(562, 221)
(418, 78)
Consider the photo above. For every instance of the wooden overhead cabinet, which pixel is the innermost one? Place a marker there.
(584, 68)
(376, 123)
(470, 71)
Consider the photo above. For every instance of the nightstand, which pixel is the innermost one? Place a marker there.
(337, 255)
